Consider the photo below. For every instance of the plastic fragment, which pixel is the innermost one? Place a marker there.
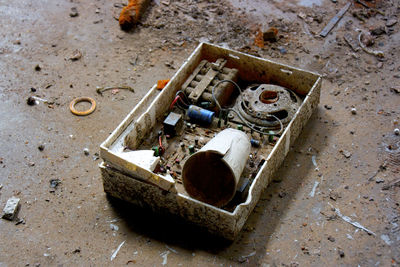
(117, 250)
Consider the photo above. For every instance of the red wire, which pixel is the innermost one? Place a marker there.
(160, 143)
(173, 102)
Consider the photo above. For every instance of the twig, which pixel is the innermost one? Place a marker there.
(101, 90)
(350, 221)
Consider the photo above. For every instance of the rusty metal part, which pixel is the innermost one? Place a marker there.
(258, 103)
(334, 20)
(82, 99)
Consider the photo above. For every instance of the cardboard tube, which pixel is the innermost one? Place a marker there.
(211, 175)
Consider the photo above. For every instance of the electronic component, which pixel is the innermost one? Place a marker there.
(172, 123)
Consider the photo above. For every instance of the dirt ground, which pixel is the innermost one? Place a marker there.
(356, 156)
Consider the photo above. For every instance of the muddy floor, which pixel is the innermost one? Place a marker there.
(345, 160)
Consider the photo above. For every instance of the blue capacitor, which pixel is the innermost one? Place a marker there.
(200, 114)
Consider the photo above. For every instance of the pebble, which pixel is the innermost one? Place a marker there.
(11, 208)
(328, 107)
(396, 131)
(353, 111)
(391, 22)
(341, 253)
(41, 147)
(38, 67)
(74, 12)
(331, 238)
(86, 151)
(379, 180)
(31, 101)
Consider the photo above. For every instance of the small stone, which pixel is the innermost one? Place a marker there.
(396, 131)
(378, 30)
(353, 111)
(74, 12)
(38, 67)
(33, 89)
(31, 101)
(271, 34)
(31, 163)
(328, 107)
(333, 195)
(391, 22)
(331, 238)
(86, 151)
(346, 153)
(341, 253)
(11, 208)
(41, 147)
(379, 180)
(76, 55)
(54, 183)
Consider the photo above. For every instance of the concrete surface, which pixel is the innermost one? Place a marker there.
(74, 223)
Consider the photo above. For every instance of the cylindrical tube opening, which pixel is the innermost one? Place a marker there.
(208, 178)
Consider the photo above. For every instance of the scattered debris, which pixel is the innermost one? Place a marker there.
(314, 161)
(76, 55)
(86, 151)
(31, 101)
(346, 153)
(131, 14)
(20, 221)
(74, 12)
(391, 185)
(116, 251)
(377, 53)
(312, 193)
(114, 227)
(161, 84)
(351, 42)
(54, 183)
(164, 255)
(101, 90)
(271, 34)
(395, 89)
(82, 99)
(245, 257)
(350, 221)
(335, 20)
(378, 30)
(11, 208)
(173, 250)
(391, 22)
(386, 239)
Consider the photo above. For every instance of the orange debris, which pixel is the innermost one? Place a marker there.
(131, 14)
(259, 40)
(161, 84)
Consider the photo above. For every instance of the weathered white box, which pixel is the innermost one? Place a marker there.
(135, 183)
